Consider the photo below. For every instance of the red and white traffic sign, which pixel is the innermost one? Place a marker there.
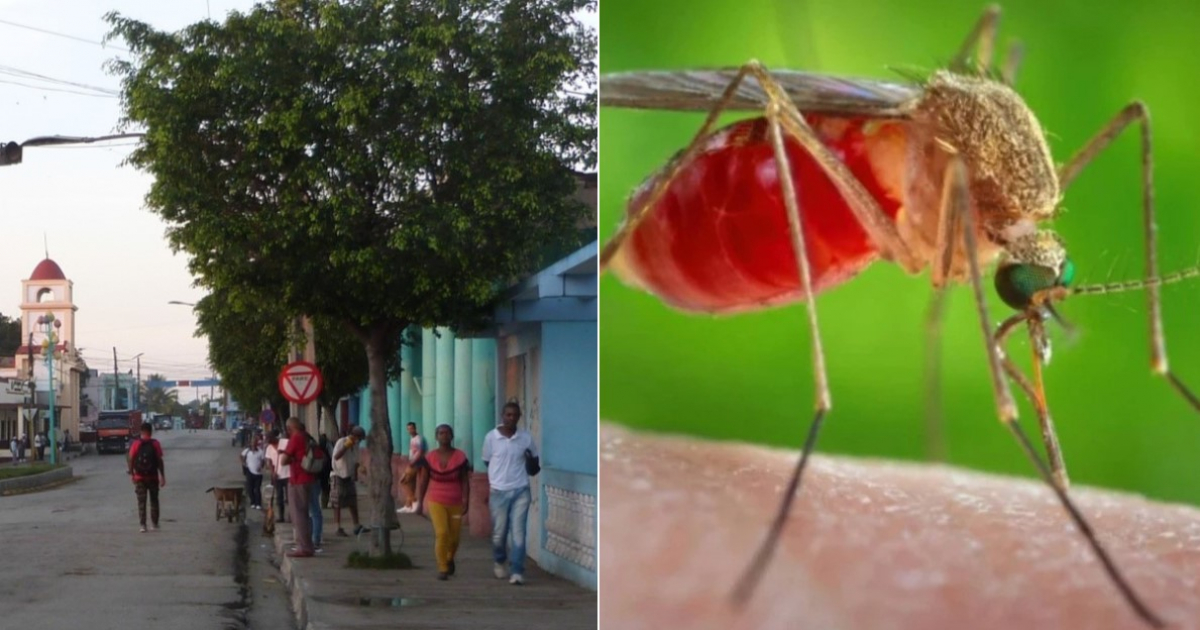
(301, 382)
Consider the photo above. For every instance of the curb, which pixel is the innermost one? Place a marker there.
(40, 481)
(293, 583)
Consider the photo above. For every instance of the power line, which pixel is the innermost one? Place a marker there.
(26, 74)
(64, 35)
(50, 89)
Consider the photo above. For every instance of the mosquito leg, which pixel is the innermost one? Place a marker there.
(1137, 112)
(1058, 467)
(1012, 63)
(634, 218)
(956, 199)
(882, 230)
(935, 429)
(983, 38)
(949, 227)
(1036, 393)
(758, 563)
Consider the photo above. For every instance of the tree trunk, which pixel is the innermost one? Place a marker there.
(379, 442)
(329, 423)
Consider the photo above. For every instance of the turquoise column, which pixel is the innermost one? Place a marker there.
(462, 394)
(409, 401)
(483, 395)
(393, 405)
(428, 384)
(444, 389)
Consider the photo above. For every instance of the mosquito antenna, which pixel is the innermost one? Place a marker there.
(1136, 285)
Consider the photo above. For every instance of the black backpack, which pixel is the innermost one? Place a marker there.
(145, 462)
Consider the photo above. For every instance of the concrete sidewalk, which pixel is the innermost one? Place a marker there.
(326, 595)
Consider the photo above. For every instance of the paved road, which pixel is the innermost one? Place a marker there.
(73, 558)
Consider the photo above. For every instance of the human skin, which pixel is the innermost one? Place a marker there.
(872, 545)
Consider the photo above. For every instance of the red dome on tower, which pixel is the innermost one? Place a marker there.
(47, 270)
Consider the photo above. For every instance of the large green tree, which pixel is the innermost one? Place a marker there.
(249, 338)
(10, 335)
(380, 163)
(247, 344)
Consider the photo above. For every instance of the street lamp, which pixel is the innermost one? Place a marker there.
(12, 152)
(50, 326)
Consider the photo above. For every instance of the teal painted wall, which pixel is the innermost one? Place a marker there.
(569, 396)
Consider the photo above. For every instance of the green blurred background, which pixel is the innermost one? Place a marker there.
(749, 377)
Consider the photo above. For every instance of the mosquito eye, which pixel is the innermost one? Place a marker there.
(1068, 273)
(1017, 284)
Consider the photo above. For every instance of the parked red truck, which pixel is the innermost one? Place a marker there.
(116, 429)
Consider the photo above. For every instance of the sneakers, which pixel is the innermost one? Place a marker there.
(143, 529)
(341, 532)
(498, 571)
(359, 529)
(516, 578)
(154, 527)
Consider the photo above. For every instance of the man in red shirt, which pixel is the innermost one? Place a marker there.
(300, 483)
(145, 463)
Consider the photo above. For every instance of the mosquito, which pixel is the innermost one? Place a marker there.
(951, 173)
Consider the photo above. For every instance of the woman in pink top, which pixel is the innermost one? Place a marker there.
(447, 491)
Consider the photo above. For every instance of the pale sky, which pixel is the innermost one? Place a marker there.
(90, 208)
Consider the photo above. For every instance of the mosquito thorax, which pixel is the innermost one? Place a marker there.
(1012, 174)
(1031, 264)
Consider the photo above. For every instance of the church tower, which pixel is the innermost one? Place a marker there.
(49, 292)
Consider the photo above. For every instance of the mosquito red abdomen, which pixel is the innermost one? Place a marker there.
(718, 239)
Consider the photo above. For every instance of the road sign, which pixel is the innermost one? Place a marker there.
(301, 382)
(267, 416)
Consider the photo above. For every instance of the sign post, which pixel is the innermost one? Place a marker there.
(301, 382)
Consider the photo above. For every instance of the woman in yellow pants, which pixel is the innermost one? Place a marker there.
(447, 492)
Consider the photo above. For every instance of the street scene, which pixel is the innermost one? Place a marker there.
(302, 330)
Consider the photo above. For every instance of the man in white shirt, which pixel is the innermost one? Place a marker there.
(344, 494)
(253, 458)
(279, 474)
(504, 451)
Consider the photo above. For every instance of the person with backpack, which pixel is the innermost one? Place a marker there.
(304, 457)
(145, 463)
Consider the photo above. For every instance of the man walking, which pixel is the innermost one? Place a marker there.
(145, 464)
(301, 484)
(504, 451)
(39, 442)
(253, 458)
(344, 493)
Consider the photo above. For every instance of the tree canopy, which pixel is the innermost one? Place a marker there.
(10, 335)
(372, 163)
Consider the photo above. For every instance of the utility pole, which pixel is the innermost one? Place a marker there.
(116, 380)
(137, 404)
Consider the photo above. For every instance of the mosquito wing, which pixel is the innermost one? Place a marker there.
(699, 90)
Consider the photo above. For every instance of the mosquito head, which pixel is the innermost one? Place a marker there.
(1032, 263)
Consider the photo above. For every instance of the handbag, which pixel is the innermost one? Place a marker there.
(532, 464)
